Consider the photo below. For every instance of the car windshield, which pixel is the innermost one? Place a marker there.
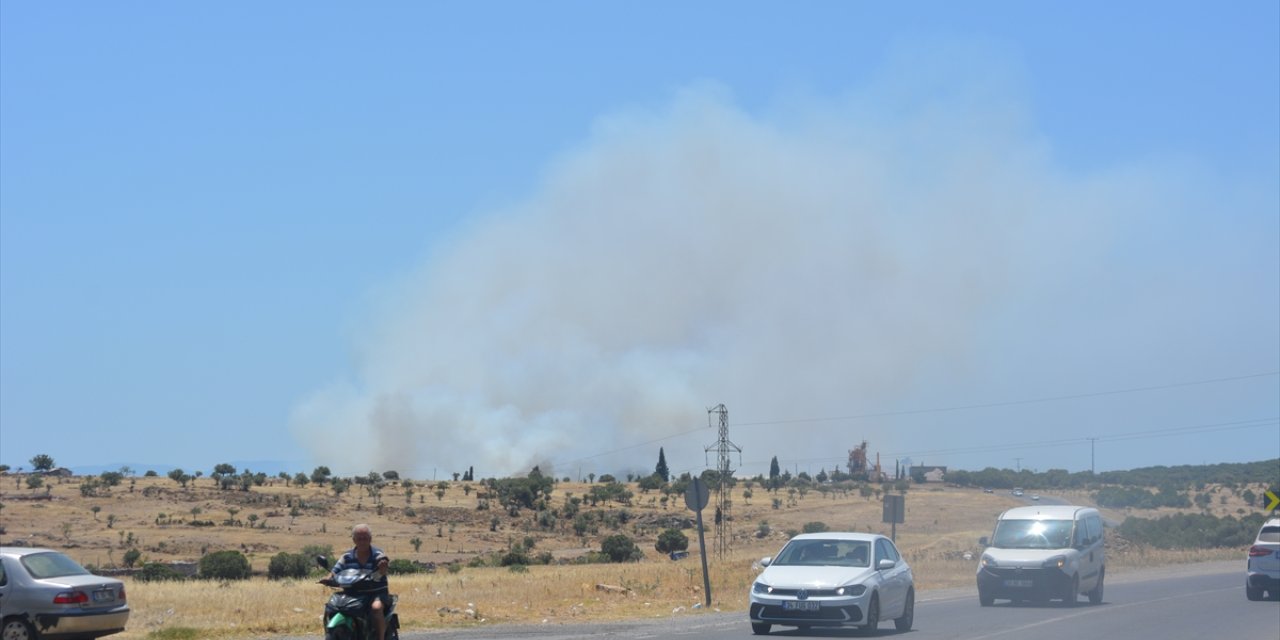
(1032, 534)
(51, 565)
(838, 553)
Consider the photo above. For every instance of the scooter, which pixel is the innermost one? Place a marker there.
(344, 613)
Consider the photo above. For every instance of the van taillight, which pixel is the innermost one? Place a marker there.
(1257, 552)
(120, 594)
(71, 597)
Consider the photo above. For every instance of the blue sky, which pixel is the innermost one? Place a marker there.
(426, 236)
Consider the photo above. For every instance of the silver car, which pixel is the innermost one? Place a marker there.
(834, 580)
(45, 594)
(1264, 562)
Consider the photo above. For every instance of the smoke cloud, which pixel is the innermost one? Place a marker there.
(818, 258)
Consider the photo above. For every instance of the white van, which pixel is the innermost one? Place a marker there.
(1041, 553)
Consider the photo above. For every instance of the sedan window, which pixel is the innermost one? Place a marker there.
(51, 565)
(839, 553)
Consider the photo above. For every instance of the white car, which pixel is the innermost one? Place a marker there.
(44, 594)
(834, 580)
(1264, 562)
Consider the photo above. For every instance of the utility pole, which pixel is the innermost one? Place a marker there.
(723, 448)
(1018, 461)
(1091, 468)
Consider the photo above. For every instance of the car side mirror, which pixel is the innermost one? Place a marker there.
(982, 541)
(886, 564)
(765, 561)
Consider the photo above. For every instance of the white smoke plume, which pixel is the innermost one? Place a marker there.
(810, 260)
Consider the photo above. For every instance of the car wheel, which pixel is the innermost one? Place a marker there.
(1095, 595)
(1073, 592)
(17, 629)
(1249, 592)
(873, 615)
(760, 628)
(985, 599)
(903, 622)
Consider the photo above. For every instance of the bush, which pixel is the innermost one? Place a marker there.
(288, 565)
(815, 527)
(401, 566)
(1192, 531)
(620, 548)
(671, 540)
(157, 572)
(514, 556)
(131, 557)
(225, 565)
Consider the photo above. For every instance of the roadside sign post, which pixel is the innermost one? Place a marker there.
(894, 512)
(696, 497)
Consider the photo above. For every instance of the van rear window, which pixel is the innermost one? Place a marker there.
(1269, 534)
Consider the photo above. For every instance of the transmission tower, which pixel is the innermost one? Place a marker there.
(723, 448)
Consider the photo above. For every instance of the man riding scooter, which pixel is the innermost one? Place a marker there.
(370, 558)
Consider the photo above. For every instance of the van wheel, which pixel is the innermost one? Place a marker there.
(1073, 592)
(1249, 592)
(760, 628)
(903, 622)
(1095, 595)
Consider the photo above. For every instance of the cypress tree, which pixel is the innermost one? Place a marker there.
(662, 470)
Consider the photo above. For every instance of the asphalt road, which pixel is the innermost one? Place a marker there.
(1191, 602)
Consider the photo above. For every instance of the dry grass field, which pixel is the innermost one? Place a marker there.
(155, 515)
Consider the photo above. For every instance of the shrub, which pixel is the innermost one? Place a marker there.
(156, 572)
(131, 557)
(514, 556)
(225, 565)
(671, 540)
(288, 565)
(620, 548)
(402, 566)
(815, 527)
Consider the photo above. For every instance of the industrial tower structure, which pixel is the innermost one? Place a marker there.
(723, 448)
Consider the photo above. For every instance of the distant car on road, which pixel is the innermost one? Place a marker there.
(988, 491)
(46, 590)
(1017, 493)
(1036, 497)
(834, 580)
(1264, 562)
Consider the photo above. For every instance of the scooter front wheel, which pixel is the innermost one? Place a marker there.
(339, 633)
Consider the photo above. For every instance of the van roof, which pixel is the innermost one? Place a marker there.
(1045, 512)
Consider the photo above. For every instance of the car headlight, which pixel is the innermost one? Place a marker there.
(988, 561)
(852, 590)
(1056, 562)
(761, 587)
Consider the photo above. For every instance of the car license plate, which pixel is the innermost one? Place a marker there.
(104, 595)
(1024, 584)
(798, 605)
